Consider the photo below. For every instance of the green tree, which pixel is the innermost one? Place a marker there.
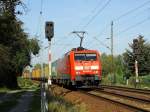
(143, 58)
(107, 64)
(33, 46)
(118, 64)
(37, 66)
(15, 47)
(117, 74)
(128, 63)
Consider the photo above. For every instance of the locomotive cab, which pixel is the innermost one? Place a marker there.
(87, 68)
(79, 67)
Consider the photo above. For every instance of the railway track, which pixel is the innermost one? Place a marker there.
(141, 91)
(140, 103)
(128, 96)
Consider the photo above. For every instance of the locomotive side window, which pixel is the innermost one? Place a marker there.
(85, 56)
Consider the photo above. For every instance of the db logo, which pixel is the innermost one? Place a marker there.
(86, 67)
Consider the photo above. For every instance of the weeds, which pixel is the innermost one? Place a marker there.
(59, 104)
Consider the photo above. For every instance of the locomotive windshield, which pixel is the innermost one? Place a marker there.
(85, 56)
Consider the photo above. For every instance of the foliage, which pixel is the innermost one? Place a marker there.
(15, 47)
(33, 45)
(112, 73)
(37, 66)
(142, 57)
(108, 80)
(4, 59)
(107, 64)
(27, 83)
(145, 80)
(128, 63)
(124, 65)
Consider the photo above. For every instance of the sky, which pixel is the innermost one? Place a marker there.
(130, 17)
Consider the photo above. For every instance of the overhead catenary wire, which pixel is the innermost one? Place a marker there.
(94, 16)
(92, 11)
(38, 32)
(131, 11)
(59, 39)
(39, 22)
(98, 12)
(41, 7)
(126, 14)
(125, 30)
(97, 6)
(63, 46)
(101, 43)
(135, 25)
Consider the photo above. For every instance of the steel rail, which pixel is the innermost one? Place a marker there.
(125, 96)
(126, 89)
(117, 102)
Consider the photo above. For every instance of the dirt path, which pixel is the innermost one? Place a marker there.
(23, 102)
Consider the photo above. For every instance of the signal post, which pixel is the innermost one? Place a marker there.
(49, 34)
(136, 52)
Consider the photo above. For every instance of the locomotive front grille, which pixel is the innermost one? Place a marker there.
(87, 80)
(86, 77)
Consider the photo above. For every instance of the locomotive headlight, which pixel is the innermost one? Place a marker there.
(77, 73)
(78, 67)
(96, 72)
(94, 67)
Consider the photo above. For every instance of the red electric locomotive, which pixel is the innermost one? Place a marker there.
(80, 68)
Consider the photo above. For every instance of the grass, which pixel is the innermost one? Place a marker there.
(35, 105)
(59, 104)
(9, 103)
(27, 84)
(4, 90)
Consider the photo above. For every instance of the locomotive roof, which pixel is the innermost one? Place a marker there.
(80, 49)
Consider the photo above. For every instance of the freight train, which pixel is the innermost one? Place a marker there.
(79, 68)
(36, 74)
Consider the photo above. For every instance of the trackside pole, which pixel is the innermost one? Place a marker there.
(44, 107)
(49, 34)
(136, 73)
(49, 62)
(127, 82)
